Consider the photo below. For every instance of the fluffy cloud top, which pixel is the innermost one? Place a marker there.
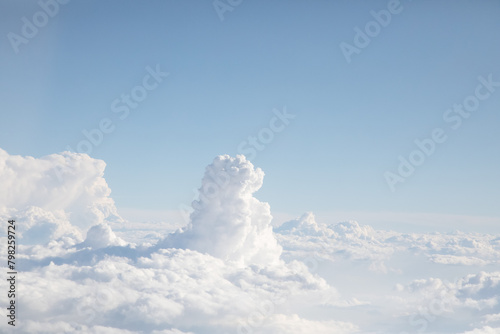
(228, 222)
(71, 182)
(60, 187)
(305, 225)
(101, 236)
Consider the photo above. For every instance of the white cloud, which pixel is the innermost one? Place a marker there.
(227, 221)
(305, 225)
(70, 184)
(468, 301)
(172, 288)
(491, 318)
(227, 269)
(484, 330)
(100, 236)
(453, 259)
(293, 324)
(353, 241)
(35, 225)
(303, 237)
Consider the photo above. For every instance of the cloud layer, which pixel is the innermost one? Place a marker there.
(228, 271)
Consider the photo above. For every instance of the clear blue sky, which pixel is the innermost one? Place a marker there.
(353, 120)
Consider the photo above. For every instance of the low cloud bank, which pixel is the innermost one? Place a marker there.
(228, 271)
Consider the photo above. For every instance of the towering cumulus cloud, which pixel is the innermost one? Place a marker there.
(228, 222)
(55, 194)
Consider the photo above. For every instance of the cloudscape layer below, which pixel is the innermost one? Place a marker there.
(228, 271)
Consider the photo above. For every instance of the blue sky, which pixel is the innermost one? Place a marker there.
(352, 120)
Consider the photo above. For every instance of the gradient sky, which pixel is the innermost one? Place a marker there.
(352, 120)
